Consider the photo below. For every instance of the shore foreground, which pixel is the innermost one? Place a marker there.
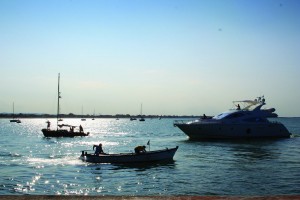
(51, 197)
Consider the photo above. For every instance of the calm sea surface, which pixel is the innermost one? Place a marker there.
(33, 164)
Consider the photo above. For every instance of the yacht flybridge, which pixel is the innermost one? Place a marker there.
(247, 120)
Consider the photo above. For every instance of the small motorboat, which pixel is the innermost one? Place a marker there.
(146, 157)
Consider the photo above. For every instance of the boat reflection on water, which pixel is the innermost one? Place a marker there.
(254, 150)
(171, 164)
(144, 166)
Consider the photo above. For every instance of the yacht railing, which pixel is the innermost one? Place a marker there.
(181, 121)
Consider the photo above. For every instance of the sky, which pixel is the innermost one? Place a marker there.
(175, 57)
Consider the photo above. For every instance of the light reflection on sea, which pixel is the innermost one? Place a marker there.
(33, 164)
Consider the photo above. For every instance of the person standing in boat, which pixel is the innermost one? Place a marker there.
(80, 129)
(99, 149)
(48, 124)
(140, 149)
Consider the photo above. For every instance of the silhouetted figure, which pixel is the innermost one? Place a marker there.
(140, 149)
(99, 149)
(48, 124)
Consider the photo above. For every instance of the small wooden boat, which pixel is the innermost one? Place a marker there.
(149, 156)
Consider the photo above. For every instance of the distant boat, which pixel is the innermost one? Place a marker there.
(93, 115)
(132, 118)
(62, 132)
(142, 119)
(13, 119)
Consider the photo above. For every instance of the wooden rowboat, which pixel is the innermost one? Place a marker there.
(149, 156)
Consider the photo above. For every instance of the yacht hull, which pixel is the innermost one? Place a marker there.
(233, 131)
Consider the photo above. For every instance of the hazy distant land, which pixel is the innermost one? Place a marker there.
(71, 115)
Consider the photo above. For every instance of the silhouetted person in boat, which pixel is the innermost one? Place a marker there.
(99, 149)
(48, 124)
(140, 149)
(80, 129)
(71, 129)
(204, 116)
(238, 107)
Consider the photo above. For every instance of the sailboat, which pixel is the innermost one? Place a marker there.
(142, 119)
(14, 120)
(82, 119)
(93, 115)
(59, 132)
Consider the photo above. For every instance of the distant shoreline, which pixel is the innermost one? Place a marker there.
(26, 115)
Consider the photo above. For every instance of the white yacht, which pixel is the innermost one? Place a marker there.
(246, 120)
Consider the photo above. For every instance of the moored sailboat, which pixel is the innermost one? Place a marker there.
(142, 119)
(13, 119)
(82, 116)
(59, 132)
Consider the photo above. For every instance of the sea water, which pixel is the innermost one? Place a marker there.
(33, 164)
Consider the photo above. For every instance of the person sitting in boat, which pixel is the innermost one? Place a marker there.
(238, 107)
(80, 129)
(99, 149)
(140, 149)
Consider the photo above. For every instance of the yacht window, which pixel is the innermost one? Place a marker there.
(235, 115)
(255, 119)
(220, 116)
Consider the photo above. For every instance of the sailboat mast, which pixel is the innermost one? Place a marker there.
(13, 110)
(58, 97)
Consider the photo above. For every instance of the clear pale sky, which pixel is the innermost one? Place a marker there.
(181, 57)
